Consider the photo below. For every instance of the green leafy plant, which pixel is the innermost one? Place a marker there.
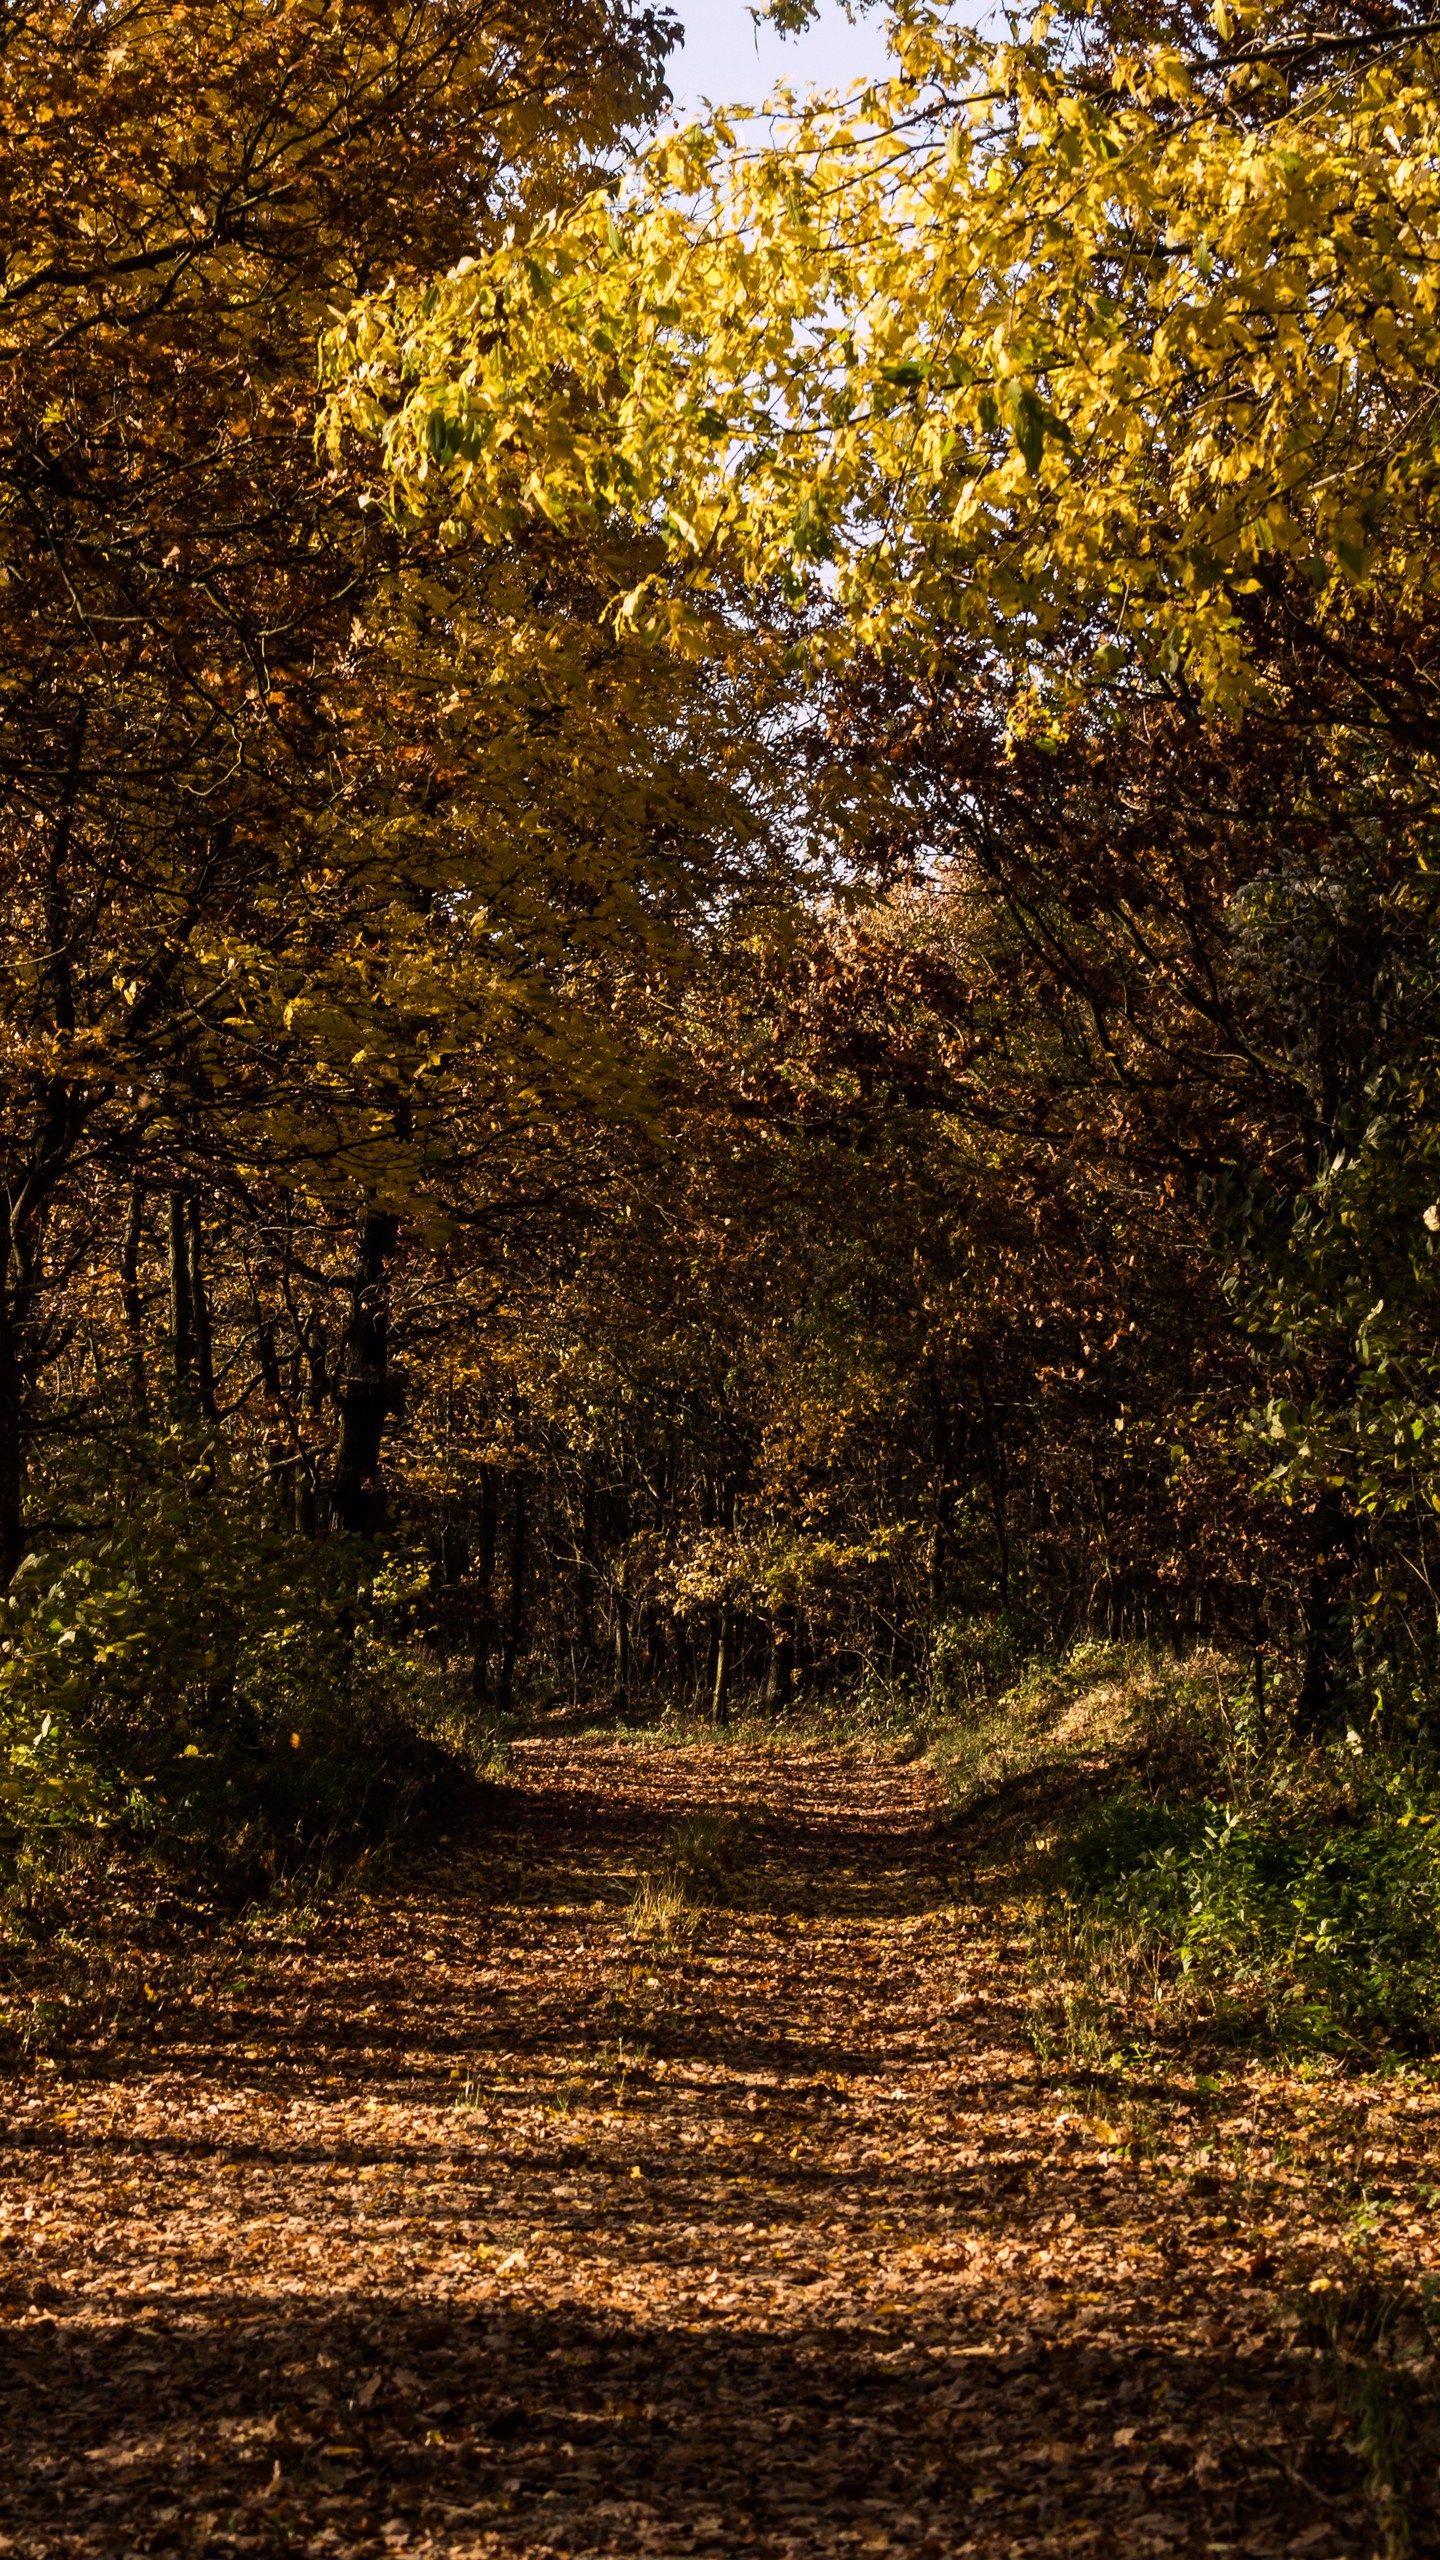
(1315, 1903)
(202, 1678)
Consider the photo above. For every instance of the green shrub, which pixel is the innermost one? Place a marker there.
(202, 1677)
(1316, 1896)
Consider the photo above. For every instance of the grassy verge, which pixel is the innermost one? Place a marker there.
(1179, 1869)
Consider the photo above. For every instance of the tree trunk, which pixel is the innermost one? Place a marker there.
(720, 1694)
(307, 1505)
(200, 1309)
(705, 1669)
(511, 1651)
(182, 1325)
(1322, 1702)
(357, 1493)
(485, 1576)
(454, 1551)
(1258, 1651)
(132, 1306)
(12, 1448)
(935, 1568)
(585, 1573)
(780, 1678)
(948, 1440)
(266, 1355)
(995, 1478)
(622, 1640)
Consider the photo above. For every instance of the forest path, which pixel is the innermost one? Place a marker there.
(469, 2225)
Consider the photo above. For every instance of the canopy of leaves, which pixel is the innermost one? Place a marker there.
(1084, 364)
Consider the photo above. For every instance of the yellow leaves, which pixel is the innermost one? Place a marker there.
(1015, 369)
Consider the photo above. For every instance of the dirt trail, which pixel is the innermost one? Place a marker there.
(469, 2227)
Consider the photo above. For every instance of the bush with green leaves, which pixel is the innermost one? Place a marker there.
(195, 1673)
(1315, 1898)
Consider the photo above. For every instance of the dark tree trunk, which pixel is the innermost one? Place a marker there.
(997, 1485)
(266, 1355)
(585, 1573)
(935, 1563)
(948, 1442)
(307, 1503)
(485, 1577)
(622, 1640)
(357, 1493)
(1323, 1698)
(132, 1307)
(12, 1447)
(200, 1309)
(182, 1321)
(510, 1653)
(1258, 1649)
(316, 1380)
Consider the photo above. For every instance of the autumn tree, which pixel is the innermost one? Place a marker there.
(1091, 369)
(195, 616)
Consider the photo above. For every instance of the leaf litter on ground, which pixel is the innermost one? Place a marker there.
(475, 2221)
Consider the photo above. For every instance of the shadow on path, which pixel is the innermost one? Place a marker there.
(482, 2226)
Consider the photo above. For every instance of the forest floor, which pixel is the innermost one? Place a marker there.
(458, 2218)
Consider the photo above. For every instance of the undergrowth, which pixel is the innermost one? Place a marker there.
(1375, 2344)
(667, 1906)
(1184, 1864)
(185, 1677)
